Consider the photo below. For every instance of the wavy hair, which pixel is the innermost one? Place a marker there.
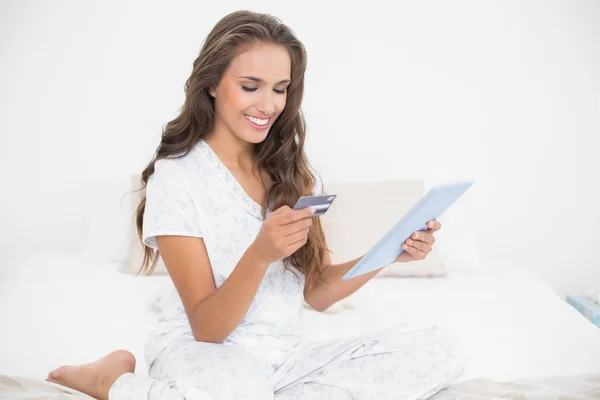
(281, 154)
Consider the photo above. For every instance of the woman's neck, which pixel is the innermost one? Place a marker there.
(234, 152)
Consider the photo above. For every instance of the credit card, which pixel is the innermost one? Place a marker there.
(320, 203)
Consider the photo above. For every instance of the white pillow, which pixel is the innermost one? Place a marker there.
(455, 250)
(111, 219)
(133, 262)
(112, 234)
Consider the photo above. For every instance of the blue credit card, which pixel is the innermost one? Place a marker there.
(320, 203)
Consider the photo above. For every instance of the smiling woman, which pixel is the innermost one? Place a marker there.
(216, 204)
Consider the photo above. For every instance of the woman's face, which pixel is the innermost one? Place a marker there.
(253, 91)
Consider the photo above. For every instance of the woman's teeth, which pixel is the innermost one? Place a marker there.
(257, 121)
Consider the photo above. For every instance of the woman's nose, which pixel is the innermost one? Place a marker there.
(266, 105)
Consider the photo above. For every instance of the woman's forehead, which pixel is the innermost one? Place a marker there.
(271, 63)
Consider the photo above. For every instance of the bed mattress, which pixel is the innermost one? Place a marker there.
(68, 309)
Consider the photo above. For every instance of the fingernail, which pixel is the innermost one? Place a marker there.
(404, 246)
(312, 210)
(409, 241)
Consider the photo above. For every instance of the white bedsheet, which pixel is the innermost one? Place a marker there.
(510, 324)
(60, 309)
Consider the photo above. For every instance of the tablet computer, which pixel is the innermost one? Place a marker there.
(431, 206)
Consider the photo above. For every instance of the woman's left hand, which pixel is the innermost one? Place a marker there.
(419, 245)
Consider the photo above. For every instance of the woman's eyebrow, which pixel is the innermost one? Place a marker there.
(255, 79)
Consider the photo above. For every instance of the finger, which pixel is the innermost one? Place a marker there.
(424, 236)
(296, 245)
(415, 253)
(434, 225)
(281, 210)
(409, 249)
(419, 245)
(431, 238)
(296, 238)
(291, 216)
(298, 226)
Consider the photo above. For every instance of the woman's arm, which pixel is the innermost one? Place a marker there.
(213, 313)
(333, 288)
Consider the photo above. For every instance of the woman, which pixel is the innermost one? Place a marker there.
(217, 207)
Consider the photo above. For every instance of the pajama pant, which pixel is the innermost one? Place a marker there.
(398, 363)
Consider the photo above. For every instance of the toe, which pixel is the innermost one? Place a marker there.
(55, 374)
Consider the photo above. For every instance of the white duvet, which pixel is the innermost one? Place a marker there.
(61, 309)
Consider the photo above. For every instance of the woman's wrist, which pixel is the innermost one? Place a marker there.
(256, 259)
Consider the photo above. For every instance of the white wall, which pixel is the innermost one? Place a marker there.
(507, 92)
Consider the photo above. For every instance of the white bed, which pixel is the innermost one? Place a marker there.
(67, 309)
(60, 309)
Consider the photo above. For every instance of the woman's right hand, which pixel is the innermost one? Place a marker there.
(282, 233)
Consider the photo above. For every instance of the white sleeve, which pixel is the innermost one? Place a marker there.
(170, 206)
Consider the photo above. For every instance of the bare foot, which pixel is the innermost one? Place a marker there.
(95, 378)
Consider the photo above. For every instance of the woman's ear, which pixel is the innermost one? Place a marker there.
(212, 91)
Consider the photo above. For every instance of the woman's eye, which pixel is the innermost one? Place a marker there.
(249, 89)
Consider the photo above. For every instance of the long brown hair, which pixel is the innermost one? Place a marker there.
(281, 154)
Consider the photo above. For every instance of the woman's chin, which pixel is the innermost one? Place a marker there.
(254, 137)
